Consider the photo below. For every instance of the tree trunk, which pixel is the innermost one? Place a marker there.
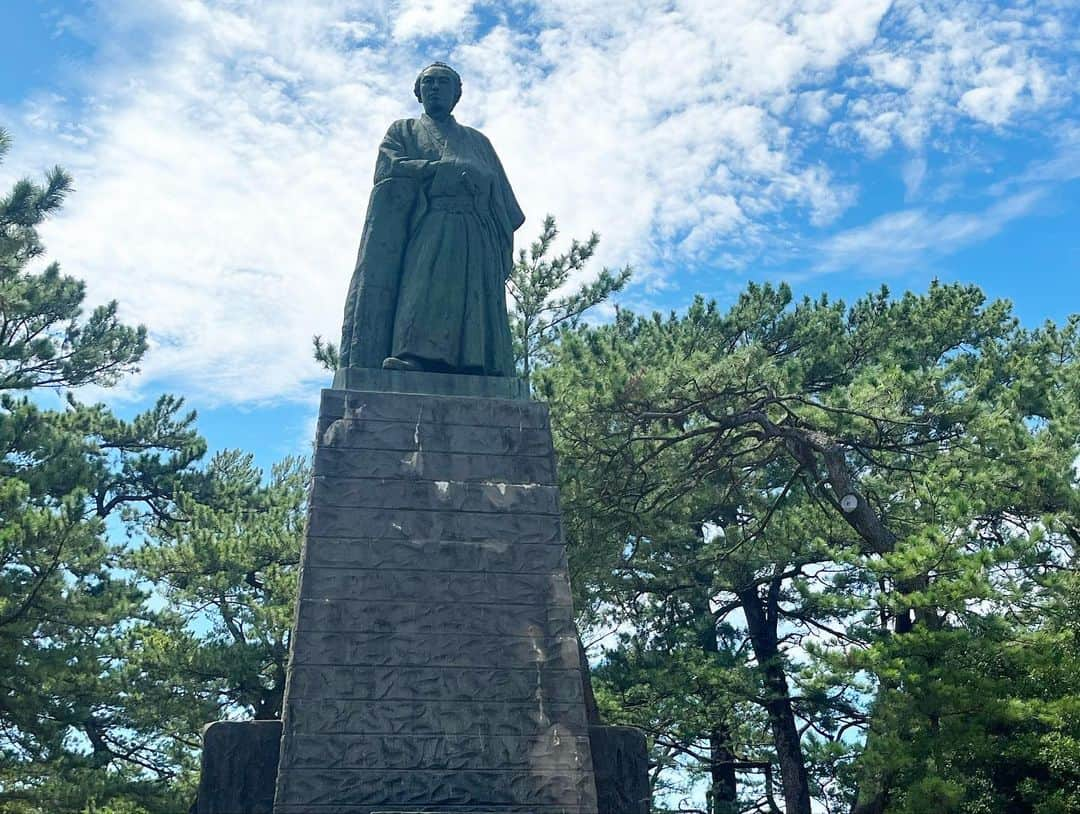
(873, 792)
(723, 788)
(271, 700)
(870, 801)
(592, 712)
(761, 624)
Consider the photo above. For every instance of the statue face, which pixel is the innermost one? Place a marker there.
(438, 91)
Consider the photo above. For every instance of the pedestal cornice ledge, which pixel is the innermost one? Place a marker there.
(434, 384)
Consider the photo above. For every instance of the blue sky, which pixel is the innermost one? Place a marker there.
(223, 151)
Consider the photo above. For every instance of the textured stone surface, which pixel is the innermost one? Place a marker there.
(323, 716)
(465, 619)
(429, 683)
(401, 650)
(418, 808)
(381, 524)
(417, 437)
(239, 764)
(621, 763)
(434, 663)
(442, 787)
(456, 467)
(435, 555)
(441, 384)
(522, 589)
(240, 759)
(388, 406)
(457, 752)
(433, 495)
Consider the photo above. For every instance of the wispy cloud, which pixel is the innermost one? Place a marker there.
(906, 240)
(1063, 166)
(223, 169)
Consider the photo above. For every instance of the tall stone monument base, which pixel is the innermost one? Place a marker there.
(434, 664)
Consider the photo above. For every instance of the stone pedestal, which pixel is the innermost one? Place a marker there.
(240, 761)
(239, 766)
(434, 665)
(621, 764)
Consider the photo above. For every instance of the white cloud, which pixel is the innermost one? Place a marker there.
(936, 64)
(814, 106)
(428, 18)
(900, 241)
(913, 174)
(891, 70)
(1062, 167)
(994, 103)
(223, 167)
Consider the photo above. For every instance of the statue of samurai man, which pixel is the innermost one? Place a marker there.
(428, 293)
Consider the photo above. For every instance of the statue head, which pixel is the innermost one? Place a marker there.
(438, 88)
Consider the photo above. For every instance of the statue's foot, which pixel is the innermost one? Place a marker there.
(395, 363)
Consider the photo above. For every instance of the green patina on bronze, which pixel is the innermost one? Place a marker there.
(428, 292)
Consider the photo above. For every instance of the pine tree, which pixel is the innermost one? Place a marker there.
(66, 477)
(536, 279)
(879, 499)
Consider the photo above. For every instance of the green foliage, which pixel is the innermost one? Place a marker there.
(227, 571)
(73, 734)
(70, 722)
(539, 311)
(876, 503)
(125, 653)
(325, 353)
(42, 341)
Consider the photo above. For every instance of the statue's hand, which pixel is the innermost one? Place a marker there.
(417, 168)
(430, 169)
(468, 183)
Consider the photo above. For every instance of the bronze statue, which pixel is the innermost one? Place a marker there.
(429, 292)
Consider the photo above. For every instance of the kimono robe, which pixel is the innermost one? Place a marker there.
(436, 251)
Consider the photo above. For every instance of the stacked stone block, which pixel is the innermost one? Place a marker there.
(434, 663)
